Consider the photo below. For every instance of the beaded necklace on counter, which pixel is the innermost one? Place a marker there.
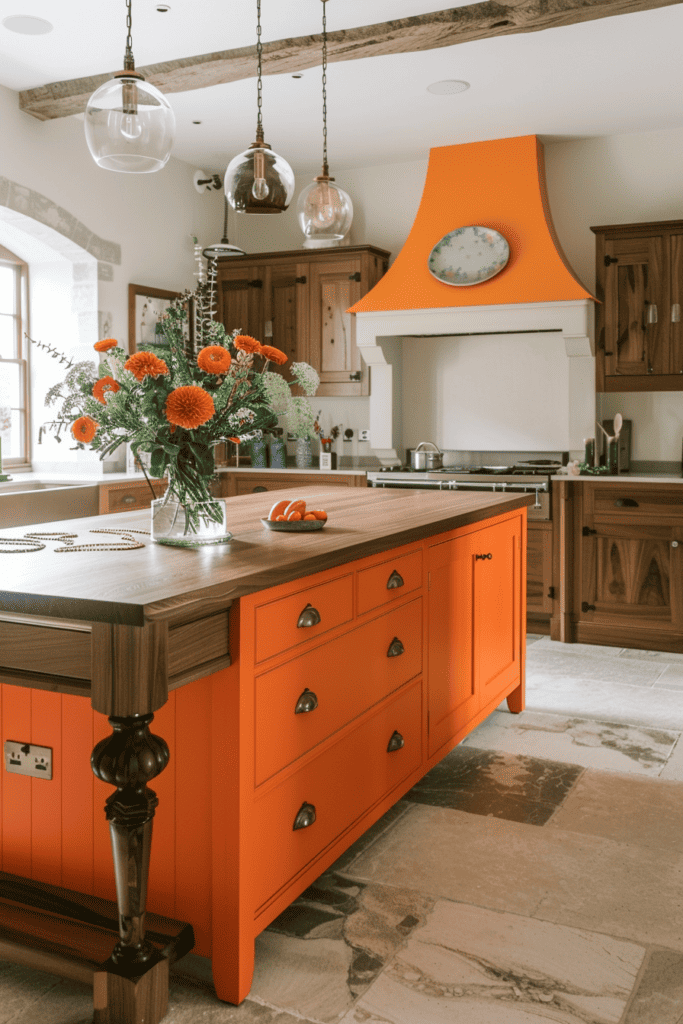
(35, 538)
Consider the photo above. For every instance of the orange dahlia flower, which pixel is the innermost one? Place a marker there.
(214, 359)
(143, 364)
(84, 429)
(105, 344)
(275, 355)
(103, 385)
(189, 407)
(247, 343)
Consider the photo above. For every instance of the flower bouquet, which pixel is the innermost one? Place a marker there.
(177, 408)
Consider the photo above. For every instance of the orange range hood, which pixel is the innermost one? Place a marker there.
(500, 185)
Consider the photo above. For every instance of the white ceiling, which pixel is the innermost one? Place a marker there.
(605, 77)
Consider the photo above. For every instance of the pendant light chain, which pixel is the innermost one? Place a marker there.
(259, 49)
(128, 61)
(326, 169)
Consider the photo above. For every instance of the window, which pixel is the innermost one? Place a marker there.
(14, 413)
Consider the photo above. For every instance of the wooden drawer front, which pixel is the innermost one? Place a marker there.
(347, 676)
(373, 591)
(639, 504)
(277, 628)
(124, 499)
(341, 784)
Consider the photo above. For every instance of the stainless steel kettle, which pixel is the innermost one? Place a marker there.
(426, 456)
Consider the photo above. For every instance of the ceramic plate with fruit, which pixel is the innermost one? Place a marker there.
(293, 517)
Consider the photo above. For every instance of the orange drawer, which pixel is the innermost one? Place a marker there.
(385, 582)
(340, 784)
(277, 626)
(345, 677)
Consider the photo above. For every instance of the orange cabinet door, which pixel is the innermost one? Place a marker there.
(453, 700)
(497, 600)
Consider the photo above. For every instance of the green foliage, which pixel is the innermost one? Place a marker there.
(134, 411)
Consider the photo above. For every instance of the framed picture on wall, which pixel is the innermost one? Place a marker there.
(145, 305)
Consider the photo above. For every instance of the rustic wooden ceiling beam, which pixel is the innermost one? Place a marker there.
(286, 56)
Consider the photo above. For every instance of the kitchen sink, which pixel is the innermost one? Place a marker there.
(14, 486)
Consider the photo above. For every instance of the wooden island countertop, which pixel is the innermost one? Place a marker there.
(158, 583)
(302, 681)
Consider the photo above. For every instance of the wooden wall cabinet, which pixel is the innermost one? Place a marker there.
(126, 495)
(624, 581)
(639, 282)
(297, 301)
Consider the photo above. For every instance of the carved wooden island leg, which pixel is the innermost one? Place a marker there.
(129, 682)
(134, 986)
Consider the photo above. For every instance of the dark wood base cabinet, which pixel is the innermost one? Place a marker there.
(619, 554)
(539, 577)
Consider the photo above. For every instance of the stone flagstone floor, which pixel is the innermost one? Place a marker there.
(534, 876)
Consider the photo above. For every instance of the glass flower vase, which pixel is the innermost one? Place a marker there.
(191, 525)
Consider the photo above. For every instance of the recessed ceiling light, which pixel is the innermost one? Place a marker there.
(448, 87)
(27, 24)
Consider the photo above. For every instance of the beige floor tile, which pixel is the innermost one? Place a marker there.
(671, 678)
(591, 650)
(482, 962)
(659, 997)
(606, 700)
(308, 977)
(581, 741)
(673, 769)
(638, 811)
(583, 881)
(652, 656)
(542, 665)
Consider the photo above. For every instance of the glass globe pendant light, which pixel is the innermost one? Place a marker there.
(258, 180)
(325, 211)
(129, 124)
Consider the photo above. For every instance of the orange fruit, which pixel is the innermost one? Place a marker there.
(281, 519)
(298, 505)
(319, 513)
(278, 509)
(293, 517)
(310, 517)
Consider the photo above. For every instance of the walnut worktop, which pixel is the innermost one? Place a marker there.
(160, 583)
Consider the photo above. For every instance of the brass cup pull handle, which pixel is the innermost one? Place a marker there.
(305, 817)
(307, 701)
(310, 616)
(395, 648)
(395, 743)
(394, 581)
(488, 555)
(626, 503)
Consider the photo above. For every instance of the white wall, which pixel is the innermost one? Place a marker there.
(152, 217)
(617, 179)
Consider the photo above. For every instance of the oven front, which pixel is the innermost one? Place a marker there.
(538, 486)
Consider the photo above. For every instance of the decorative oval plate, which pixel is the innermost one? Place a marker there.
(468, 256)
(299, 526)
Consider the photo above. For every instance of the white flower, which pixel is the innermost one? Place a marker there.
(306, 377)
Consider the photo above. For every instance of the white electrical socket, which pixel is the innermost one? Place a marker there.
(363, 435)
(28, 759)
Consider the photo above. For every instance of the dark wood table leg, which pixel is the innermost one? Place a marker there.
(133, 987)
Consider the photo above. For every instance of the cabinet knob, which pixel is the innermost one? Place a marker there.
(487, 555)
(129, 500)
(307, 701)
(355, 376)
(394, 581)
(395, 648)
(587, 532)
(586, 607)
(395, 743)
(305, 817)
(255, 490)
(310, 616)
(674, 543)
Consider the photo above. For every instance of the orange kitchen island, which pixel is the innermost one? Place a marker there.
(301, 683)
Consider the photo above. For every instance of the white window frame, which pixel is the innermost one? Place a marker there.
(22, 350)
